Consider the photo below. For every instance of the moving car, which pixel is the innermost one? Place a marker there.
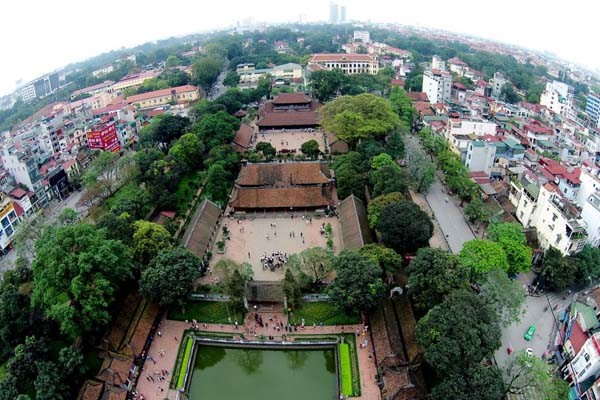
(530, 332)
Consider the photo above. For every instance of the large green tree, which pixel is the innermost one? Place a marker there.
(378, 203)
(149, 239)
(358, 285)
(76, 273)
(481, 256)
(504, 295)
(352, 118)
(459, 333)
(404, 227)
(217, 184)
(588, 263)
(327, 84)
(527, 376)
(170, 277)
(205, 71)
(387, 179)
(559, 272)
(310, 148)
(389, 261)
(512, 239)
(217, 128)
(402, 105)
(480, 382)
(311, 266)
(432, 275)
(187, 150)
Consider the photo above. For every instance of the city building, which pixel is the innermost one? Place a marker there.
(174, 95)
(592, 109)
(40, 87)
(288, 111)
(9, 219)
(438, 85)
(349, 63)
(132, 80)
(333, 13)
(558, 97)
(497, 82)
(104, 87)
(105, 70)
(363, 36)
(480, 156)
(103, 137)
(342, 14)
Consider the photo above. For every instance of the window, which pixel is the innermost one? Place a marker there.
(586, 356)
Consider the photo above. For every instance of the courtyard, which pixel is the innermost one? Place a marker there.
(290, 140)
(253, 238)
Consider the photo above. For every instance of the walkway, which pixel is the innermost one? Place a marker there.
(168, 345)
(449, 217)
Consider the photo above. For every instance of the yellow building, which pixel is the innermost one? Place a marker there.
(133, 80)
(349, 63)
(157, 98)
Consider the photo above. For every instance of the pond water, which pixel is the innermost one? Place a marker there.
(222, 373)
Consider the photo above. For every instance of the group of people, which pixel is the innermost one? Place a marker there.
(276, 260)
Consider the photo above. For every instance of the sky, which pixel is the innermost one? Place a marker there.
(40, 36)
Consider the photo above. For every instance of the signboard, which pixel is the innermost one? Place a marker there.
(104, 139)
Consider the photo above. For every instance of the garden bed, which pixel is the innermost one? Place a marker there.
(321, 312)
(210, 312)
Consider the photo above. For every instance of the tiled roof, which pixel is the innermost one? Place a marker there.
(317, 58)
(198, 235)
(18, 193)
(277, 174)
(578, 337)
(289, 119)
(418, 96)
(292, 98)
(353, 222)
(243, 136)
(161, 93)
(296, 197)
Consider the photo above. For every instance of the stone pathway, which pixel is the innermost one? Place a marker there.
(174, 329)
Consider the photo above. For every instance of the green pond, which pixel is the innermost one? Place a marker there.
(222, 373)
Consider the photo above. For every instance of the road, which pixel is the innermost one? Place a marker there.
(218, 88)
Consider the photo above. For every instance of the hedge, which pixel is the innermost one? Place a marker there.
(184, 362)
(345, 369)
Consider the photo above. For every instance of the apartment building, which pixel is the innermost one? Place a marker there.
(558, 97)
(438, 85)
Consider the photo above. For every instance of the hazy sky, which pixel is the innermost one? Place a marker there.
(39, 36)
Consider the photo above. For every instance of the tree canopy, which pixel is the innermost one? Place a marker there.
(149, 239)
(529, 374)
(76, 273)
(311, 266)
(481, 256)
(404, 227)
(352, 118)
(378, 203)
(512, 239)
(170, 276)
(358, 285)
(432, 275)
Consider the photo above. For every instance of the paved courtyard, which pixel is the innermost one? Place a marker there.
(290, 140)
(251, 239)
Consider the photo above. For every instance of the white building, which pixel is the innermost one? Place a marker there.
(438, 63)
(107, 69)
(472, 127)
(349, 63)
(498, 81)
(23, 168)
(363, 36)
(590, 213)
(558, 97)
(480, 156)
(438, 85)
(27, 92)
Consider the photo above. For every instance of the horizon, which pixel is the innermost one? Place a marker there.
(148, 27)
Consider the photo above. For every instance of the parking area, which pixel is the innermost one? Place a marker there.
(251, 239)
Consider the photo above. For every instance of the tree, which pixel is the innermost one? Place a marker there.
(326, 84)
(387, 179)
(164, 129)
(357, 285)
(170, 277)
(508, 94)
(527, 374)
(402, 105)
(481, 256)
(217, 184)
(558, 272)
(266, 149)
(21, 366)
(382, 160)
(477, 211)
(479, 382)
(225, 268)
(432, 275)
(205, 71)
(395, 146)
(48, 383)
(217, 129)
(310, 148)
(459, 333)
(231, 79)
(378, 203)
(420, 169)
(291, 289)
(588, 262)
(389, 261)
(504, 295)
(149, 239)
(404, 227)
(349, 181)
(311, 266)
(17, 318)
(68, 216)
(76, 273)
(235, 287)
(107, 172)
(363, 116)
(187, 150)
(512, 239)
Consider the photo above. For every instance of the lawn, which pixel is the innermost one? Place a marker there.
(128, 191)
(186, 357)
(345, 369)
(186, 189)
(317, 312)
(213, 312)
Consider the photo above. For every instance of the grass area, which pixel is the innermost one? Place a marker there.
(350, 339)
(2, 371)
(128, 190)
(213, 312)
(186, 189)
(186, 358)
(345, 369)
(317, 312)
